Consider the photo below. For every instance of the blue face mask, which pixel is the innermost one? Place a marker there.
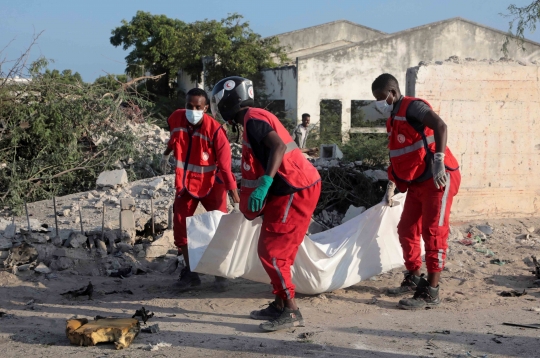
(194, 116)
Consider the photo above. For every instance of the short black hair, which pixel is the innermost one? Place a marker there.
(198, 92)
(305, 115)
(383, 82)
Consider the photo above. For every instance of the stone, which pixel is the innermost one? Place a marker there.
(76, 240)
(156, 184)
(4, 255)
(124, 247)
(530, 229)
(61, 264)
(352, 212)
(358, 163)
(65, 212)
(114, 200)
(486, 229)
(330, 151)
(161, 246)
(42, 268)
(112, 178)
(5, 244)
(101, 248)
(376, 175)
(128, 204)
(36, 238)
(90, 196)
(21, 268)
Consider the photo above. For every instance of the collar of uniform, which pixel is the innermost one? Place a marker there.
(396, 106)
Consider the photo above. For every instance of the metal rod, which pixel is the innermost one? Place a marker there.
(80, 218)
(103, 223)
(27, 216)
(152, 212)
(55, 215)
(170, 221)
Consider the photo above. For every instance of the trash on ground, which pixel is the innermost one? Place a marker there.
(144, 314)
(120, 331)
(500, 262)
(531, 325)
(513, 293)
(129, 292)
(486, 229)
(156, 347)
(151, 329)
(83, 291)
(441, 332)
(466, 242)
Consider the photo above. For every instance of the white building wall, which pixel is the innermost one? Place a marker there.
(346, 74)
(280, 84)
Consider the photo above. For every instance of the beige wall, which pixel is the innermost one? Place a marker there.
(492, 115)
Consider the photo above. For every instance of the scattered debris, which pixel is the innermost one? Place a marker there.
(467, 242)
(441, 332)
(306, 335)
(122, 272)
(157, 346)
(536, 271)
(500, 262)
(486, 229)
(531, 325)
(151, 329)
(144, 314)
(84, 291)
(42, 268)
(512, 293)
(112, 178)
(129, 292)
(496, 340)
(120, 331)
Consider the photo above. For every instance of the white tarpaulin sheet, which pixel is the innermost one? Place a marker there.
(367, 245)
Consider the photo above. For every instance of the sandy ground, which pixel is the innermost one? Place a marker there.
(359, 321)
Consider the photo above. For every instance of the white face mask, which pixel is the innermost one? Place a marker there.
(384, 107)
(194, 116)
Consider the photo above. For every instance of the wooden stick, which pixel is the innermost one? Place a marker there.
(27, 217)
(80, 218)
(55, 216)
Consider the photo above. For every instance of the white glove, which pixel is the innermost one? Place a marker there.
(390, 193)
(439, 171)
(164, 164)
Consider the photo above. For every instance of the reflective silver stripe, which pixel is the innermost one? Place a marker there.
(247, 183)
(444, 200)
(397, 118)
(197, 134)
(411, 148)
(440, 258)
(196, 168)
(281, 278)
(178, 129)
(291, 146)
(246, 144)
(291, 197)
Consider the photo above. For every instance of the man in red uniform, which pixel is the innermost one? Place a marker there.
(421, 165)
(277, 183)
(203, 171)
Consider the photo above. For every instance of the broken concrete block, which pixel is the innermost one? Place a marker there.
(124, 247)
(161, 246)
(128, 204)
(156, 184)
(61, 264)
(112, 178)
(101, 248)
(76, 240)
(4, 255)
(330, 151)
(127, 220)
(16, 270)
(120, 331)
(376, 175)
(21, 255)
(42, 268)
(36, 238)
(352, 212)
(5, 244)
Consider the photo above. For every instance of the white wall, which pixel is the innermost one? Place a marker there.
(346, 74)
(280, 84)
(491, 111)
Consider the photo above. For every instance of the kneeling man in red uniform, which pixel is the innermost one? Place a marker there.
(279, 184)
(421, 165)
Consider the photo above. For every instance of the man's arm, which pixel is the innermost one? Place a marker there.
(277, 151)
(222, 149)
(433, 121)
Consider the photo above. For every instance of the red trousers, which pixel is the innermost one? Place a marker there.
(185, 206)
(427, 212)
(285, 223)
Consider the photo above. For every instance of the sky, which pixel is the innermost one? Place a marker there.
(76, 33)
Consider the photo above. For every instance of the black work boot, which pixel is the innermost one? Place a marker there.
(288, 318)
(408, 285)
(267, 314)
(221, 284)
(188, 279)
(424, 297)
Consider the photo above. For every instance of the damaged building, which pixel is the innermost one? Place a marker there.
(338, 61)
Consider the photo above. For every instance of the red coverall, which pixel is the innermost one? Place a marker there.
(216, 150)
(427, 209)
(286, 218)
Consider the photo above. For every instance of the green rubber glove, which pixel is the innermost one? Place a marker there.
(256, 199)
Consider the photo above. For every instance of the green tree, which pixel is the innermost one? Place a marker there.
(522, 18)
(161, 45)
(111, 82)
(66, 76)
